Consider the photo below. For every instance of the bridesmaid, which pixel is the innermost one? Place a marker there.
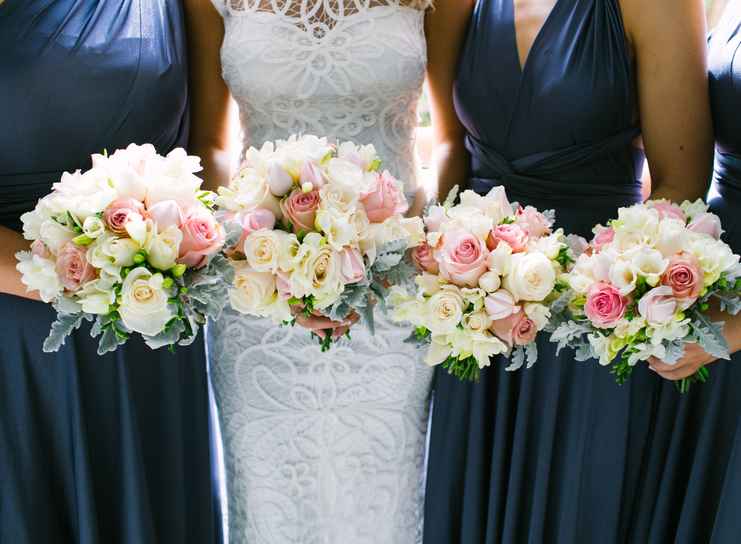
(696, 460)
(552, 95)
(111, 449)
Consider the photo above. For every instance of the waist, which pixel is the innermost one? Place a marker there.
(727, 175)
(561, 193)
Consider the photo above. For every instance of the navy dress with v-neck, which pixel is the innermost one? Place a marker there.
(693, 475)
(554, 453)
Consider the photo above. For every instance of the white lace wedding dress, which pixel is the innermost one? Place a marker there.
(323, 448)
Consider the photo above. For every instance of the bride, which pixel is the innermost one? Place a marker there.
(319, 447)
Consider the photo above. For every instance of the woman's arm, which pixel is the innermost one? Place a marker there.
(668, 38)
(10, 279)
(446, 26)
(209, 133)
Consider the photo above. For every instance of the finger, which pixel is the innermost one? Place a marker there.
(660, 366)
(676, 375)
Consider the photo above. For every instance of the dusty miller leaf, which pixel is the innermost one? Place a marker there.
(709, 336)
(674, 352)
(516, 359)
(63, 326)
(568, 334)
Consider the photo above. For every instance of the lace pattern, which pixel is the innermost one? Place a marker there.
(323, 448)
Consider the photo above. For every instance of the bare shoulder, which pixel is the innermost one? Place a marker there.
(656, 18)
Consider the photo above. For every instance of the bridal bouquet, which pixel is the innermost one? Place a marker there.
(490, 272)
(323, 233)
(644, 286)
(131, 244)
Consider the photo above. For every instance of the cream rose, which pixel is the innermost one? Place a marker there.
(264, 249)
(163, 248)
(255, 293)
(532, 277)
(318, 271)
(445, 310)
(144, 306)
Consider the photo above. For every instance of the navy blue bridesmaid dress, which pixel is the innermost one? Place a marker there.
(554, 453)
(111, 449)
(692, 487)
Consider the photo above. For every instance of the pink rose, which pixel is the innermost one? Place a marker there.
(300, 209)
(513, 235)
(202, 237)
(658, 305)
(500, 305)
(311, 173)
(515, 330)
(533, 222)
(39, 248)
(283, 284)
(604, 236)
(667, 210)
(462, 258)
(73, 268)
(706, 223)
(120, 212)
(384, 198)
(353, 268)
(424, 260)
(166, 214)
(684, 276)
(605, 305)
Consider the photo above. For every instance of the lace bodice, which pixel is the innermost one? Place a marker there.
(323, 448)
(346, 69)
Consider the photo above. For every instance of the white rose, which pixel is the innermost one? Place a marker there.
(671, 238)
(317, 272)
(623, 276)
(55, 235)
(264, 248)
(532, 277)
(338, 198)
(144, 303)
(39, 274)
(649, 263)
(538, 314)
(346, 175)
(164, 248)
(444, 310)
(490, 282)
(337, 227)
(253, 292)
(477, 321)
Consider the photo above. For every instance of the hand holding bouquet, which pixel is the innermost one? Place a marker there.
(489, 274)
(644, 287)
(323, 234)
(131, 244)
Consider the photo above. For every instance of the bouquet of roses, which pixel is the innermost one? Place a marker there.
(323, 235)
(490, 273)
(644, 286)
(131, 244)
